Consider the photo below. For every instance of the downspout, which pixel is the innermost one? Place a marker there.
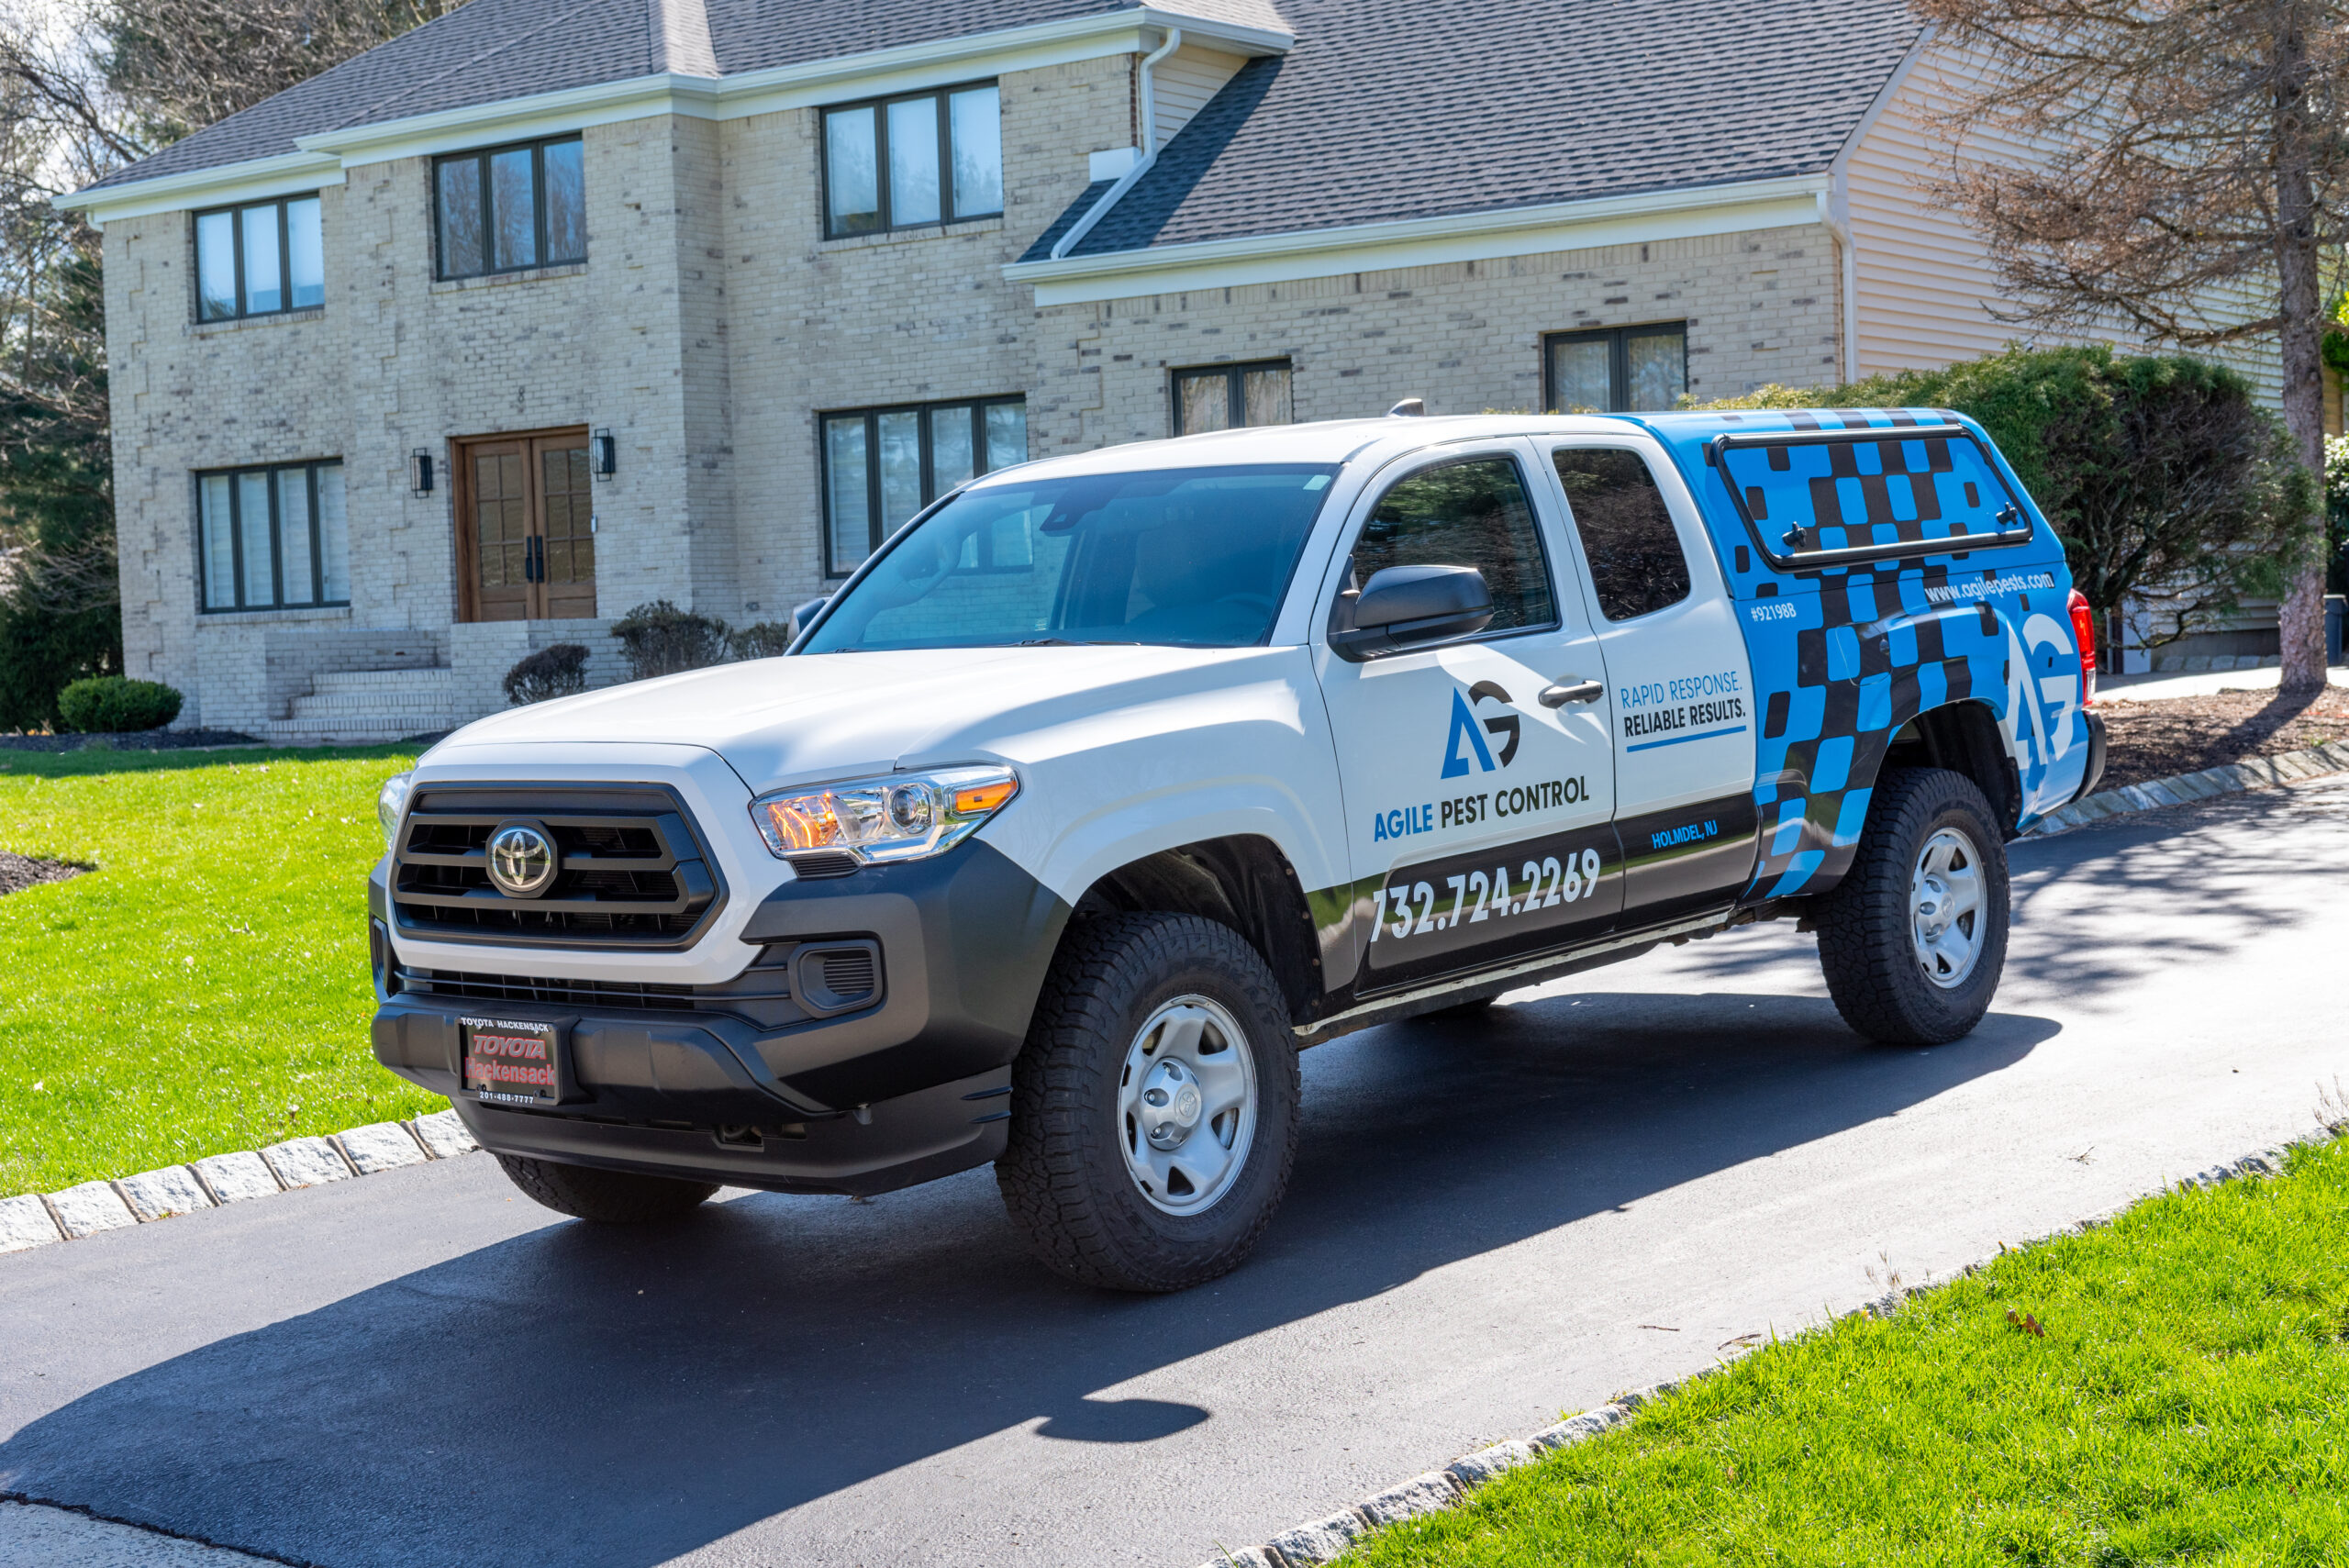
(1148, 93)
(1842, 233)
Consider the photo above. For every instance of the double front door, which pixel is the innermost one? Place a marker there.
(526, 526)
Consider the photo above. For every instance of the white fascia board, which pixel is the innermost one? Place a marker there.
(253, 180)
(1425, 242)
(909, 68)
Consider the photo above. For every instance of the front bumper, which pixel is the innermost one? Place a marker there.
(705, 1085)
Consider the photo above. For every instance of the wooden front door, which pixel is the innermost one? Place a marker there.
(525, 535)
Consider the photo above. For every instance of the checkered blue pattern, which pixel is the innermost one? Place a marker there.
(1865, 650)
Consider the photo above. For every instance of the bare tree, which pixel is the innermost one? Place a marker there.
(2189, 182)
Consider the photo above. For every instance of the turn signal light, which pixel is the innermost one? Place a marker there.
(2084, 633)
(978, 799)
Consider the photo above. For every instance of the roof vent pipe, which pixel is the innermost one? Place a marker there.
(1149, 95)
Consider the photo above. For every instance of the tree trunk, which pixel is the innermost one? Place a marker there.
(2300, 619)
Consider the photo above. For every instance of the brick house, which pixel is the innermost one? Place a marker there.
(544, 310)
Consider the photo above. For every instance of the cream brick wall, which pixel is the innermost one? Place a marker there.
(712, 322)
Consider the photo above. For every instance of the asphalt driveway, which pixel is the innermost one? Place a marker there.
(1490, 1223)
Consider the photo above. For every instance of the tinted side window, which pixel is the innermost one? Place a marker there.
(1473, 513)
(1635, 560)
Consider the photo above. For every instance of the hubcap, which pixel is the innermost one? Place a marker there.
(1945, 913)
(1187, 1104)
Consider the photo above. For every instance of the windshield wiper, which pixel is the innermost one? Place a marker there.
(1072, 642)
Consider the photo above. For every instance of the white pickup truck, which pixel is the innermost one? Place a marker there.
(1113, 781)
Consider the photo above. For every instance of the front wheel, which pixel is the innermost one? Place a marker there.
(1155, 1106)
(604, 1197)
(1914, 938)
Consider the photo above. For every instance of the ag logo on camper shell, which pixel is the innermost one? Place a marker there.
(1504, 726)
(522, 859)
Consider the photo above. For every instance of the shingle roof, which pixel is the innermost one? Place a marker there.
(493, 50)
(1392, 110)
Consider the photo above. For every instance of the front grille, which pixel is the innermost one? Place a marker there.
(761, 994)
(633, 873)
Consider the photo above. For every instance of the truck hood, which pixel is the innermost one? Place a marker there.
(781, 721)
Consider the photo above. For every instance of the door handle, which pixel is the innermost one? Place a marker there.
(1572, 690)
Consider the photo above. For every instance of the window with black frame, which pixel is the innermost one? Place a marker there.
(272, 537)
(261, 259)
(1636, 563)
(1471, 512)
(883, 465)
(1232, 398)
(507, 209)
(1615, 370)
(919, 158)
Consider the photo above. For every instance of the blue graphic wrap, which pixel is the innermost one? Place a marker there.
(1844, 656)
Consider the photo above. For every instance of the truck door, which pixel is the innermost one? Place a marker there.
(1478, 816)
(1684, 725)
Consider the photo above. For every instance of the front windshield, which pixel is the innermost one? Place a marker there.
(1190, 557)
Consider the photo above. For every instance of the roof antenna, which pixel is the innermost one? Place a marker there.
(1410, 408)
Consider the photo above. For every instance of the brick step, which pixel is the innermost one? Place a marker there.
(419, 679)
(352, 731)
(357, 705)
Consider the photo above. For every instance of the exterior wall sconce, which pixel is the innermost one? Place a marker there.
(603, 454)
(419, 472)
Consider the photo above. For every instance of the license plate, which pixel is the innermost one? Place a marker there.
(510, 1062)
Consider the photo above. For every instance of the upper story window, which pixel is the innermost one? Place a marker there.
(261, 258)
(1227, 397)
(272, 537)
(508, 209)
(1617, 370)
(926, 158)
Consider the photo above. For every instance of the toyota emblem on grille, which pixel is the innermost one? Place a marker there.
(522, 860)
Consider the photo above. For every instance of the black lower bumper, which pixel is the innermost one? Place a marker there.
(895, 1143)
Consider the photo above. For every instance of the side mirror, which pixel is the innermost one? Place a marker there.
(1404, 604)
(802, 614)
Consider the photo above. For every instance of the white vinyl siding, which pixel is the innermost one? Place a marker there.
(1181, 84)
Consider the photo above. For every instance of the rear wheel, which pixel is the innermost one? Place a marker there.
(606, 1197)
(1914, 939)
(1155, 1107)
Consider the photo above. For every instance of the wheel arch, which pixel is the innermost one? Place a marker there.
(1243, 881)
(1967, 738)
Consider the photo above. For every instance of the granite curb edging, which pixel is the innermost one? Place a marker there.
(2179, 789)
(215, 1180)
(1316, 1543)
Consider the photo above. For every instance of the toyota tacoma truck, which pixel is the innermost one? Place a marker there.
(1112, 782)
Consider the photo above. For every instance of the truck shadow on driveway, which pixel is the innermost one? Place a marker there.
(597, 1399)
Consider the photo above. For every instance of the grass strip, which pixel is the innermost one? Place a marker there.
(2168, 1388)
(205, 986)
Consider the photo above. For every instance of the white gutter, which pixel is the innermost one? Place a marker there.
(1084, 226)
(1784, 203)
(1842, 233)
(907, 68)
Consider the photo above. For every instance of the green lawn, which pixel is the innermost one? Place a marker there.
(205, 988)
(2188, 1402)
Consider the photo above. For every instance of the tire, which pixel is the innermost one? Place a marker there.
(604, 1197)
(1127, 997)
(1877, 928)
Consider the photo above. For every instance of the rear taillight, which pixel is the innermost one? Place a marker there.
(2084, 633)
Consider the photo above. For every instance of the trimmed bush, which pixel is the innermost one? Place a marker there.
(551, 672)
(106, 705)
(763, 640)
(659, 639)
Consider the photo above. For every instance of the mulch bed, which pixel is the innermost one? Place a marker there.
(2160, 738)
(20, 872)
(132, 740)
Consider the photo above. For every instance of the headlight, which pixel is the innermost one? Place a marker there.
(390, 801)
(904, 817)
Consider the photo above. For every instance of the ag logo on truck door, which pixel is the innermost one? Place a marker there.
(1504, 726)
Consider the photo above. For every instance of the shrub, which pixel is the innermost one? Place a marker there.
(557, 671)
(764, 640)
(2166, 480)
(659, 639)
(115, 704)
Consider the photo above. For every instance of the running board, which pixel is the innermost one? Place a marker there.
(1529, 972)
